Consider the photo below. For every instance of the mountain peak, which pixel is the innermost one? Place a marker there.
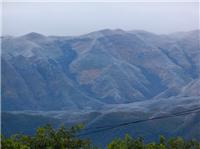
(104, 32)
(110, 31)
(33, 35)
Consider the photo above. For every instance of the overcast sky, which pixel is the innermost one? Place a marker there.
(75, 18)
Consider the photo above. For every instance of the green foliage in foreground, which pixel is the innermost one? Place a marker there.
(173, 143)
(47, 138)
(62, 138)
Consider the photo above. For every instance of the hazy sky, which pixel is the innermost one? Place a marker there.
(74, 18)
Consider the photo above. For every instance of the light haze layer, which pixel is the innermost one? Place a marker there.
(75, 18)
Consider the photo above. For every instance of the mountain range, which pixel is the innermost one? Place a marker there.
(104, 76)
(104, 67)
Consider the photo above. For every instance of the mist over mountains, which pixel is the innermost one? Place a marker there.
(111, 75)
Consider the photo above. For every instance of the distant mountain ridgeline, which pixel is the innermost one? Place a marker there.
(100, 68)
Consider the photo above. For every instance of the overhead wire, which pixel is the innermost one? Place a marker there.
(109, 127)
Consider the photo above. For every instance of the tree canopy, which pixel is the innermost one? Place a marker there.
(65, 138)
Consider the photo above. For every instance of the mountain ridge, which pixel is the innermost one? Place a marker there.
(102, 67)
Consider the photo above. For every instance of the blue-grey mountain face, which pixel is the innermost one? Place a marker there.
(105, 77)
(103, 67)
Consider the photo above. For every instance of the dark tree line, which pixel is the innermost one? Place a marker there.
(62, 138)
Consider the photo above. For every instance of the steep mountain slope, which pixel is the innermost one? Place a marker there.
(39, 79)
(103, 67)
